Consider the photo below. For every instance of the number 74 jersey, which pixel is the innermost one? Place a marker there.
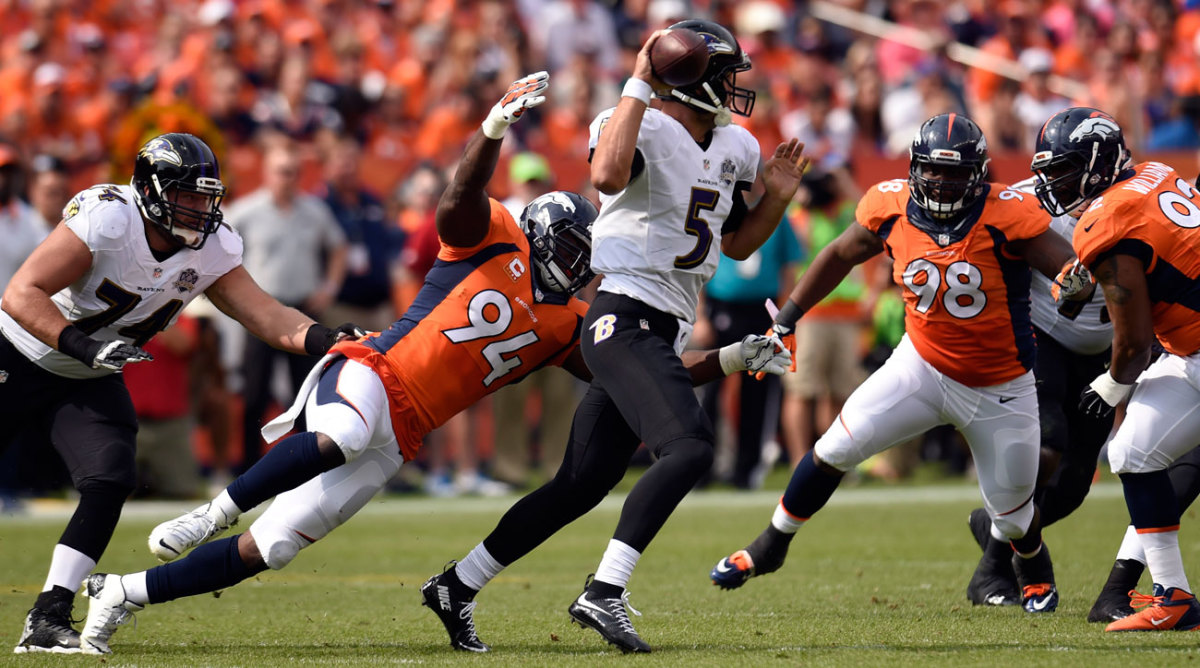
(966, 295)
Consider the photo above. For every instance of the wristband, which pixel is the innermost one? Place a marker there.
(638, 90)
(73, 342)
(318, 339)
(1110, 390)
(789, 314)
(494, 128)
(731, 358)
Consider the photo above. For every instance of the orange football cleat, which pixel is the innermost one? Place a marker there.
(1170, 610)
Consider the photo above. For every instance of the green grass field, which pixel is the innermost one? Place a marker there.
(878, 578)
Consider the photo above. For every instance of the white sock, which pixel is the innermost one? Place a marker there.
(785, 521)
(135, 588)
(68, 567)
(1131, 546)
(616, 567)
(999, 536)
(1163, 559)
(478, 568)
(224, 504)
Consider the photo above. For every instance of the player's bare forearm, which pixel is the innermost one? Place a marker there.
(759, 225)
(612, 162)
(854, 246)
(1123, 279)
(56, 263)
(31, 307)
(1047, 252)
(464, 212)
(703, 365)
(238, 296)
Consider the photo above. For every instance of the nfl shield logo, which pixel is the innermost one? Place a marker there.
(943, 239)
(3, 376)
(158, 272)
(707, 164)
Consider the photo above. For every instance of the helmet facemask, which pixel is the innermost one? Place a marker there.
(559, 228)
(1069, 181)
(944, 186)
(190, 212)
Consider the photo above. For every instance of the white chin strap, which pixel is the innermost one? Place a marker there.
(723, 116)
(187, 235)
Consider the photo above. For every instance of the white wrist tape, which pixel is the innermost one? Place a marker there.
(638, 90)
(1110, 390)
(494, 126)
(731, 358)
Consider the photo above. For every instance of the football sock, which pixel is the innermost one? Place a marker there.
(616, 566)
(600, 589)
(809, 489)
(1131, 546)
(785, 521)
(477, 569)
(54, 598)
(1164, 560)
(207, 568)
(292, 462)
(224, 506)
(68, 567)
(135, 588)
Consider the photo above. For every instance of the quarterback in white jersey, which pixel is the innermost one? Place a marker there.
(117, 271)
(654, 239)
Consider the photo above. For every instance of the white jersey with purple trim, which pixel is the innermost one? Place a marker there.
(659, 240)
(1088, 333)
(126, 294)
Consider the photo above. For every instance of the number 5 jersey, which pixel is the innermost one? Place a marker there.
(966, 295)
(127, 293)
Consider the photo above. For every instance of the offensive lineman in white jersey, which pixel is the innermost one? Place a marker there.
(671, 183)
(1072, 349)
(118, 270)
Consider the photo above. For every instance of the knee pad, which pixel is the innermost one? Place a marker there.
(693, 454)
(111, 489)
(277, 545)
(343, 425)
(1015, 524)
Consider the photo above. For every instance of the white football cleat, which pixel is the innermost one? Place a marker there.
(107, 610)
(172, 538)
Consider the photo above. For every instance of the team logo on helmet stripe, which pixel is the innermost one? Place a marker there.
(160, 150)
(1099, 126)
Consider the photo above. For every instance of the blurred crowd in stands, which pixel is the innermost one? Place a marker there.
(338, 121)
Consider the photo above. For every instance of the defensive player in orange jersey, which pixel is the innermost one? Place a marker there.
(962, 249)
(1138, 234)
(497, 305)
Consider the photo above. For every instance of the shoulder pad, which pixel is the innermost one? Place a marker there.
(230, 240)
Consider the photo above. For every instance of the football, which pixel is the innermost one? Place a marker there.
(679, 57)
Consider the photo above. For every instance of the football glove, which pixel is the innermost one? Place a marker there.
(787, 338)
(521, 95)
(116, 354)
(319, 338)
(756, 353)
(1099, 399)
(1073, 283)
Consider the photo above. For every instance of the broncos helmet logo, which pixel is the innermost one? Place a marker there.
(160, 150)
(1100, 127)
(558, 198)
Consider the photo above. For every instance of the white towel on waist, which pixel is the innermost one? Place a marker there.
(283, 424)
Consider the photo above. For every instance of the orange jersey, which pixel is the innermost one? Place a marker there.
(1154, 215)
(966, 297)
(474, 327)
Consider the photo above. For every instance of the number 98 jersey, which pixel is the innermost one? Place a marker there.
(474, 327)
(966, 296)
(126, 294)
(1154, 215)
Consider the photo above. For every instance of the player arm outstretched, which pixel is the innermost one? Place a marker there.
(612, 161)
(754, 353)
(464, 211)
(854, 246)
(237, 295)
(780, 178)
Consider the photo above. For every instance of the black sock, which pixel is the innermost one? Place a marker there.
(54, 599)
(600, 589)
(210, 567)
(291, 463)
(458, 588)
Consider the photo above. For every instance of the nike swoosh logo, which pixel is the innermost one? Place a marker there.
(583, 602)
(1089, 227)
(1156, 622)
(723, 568)
(1041, 605)
(1005, 400)
(161, 542)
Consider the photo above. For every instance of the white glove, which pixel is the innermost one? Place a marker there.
(116, 354)
(521, 95)
(755, 353)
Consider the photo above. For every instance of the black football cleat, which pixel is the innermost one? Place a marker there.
(457, 614)
(1113, 602)
(608, 617)
(49, 630)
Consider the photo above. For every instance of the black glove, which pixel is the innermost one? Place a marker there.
(1100, 398)
(99, 354)
(319, 338)
(1093, 406)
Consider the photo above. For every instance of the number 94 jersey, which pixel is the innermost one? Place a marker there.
(966, 296)
(474, 327)
(659, 240)
(126, 294)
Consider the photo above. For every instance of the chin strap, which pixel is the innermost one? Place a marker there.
(723, 115)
